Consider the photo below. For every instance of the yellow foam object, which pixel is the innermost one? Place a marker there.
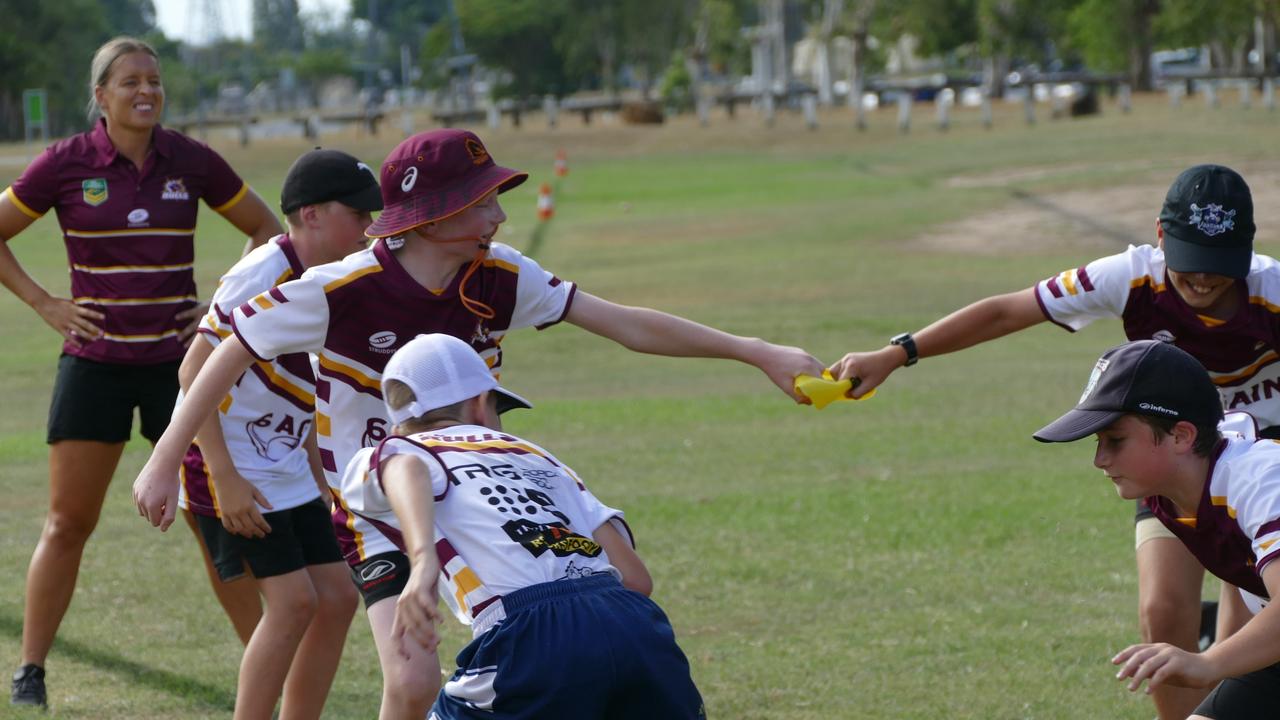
(822, 391)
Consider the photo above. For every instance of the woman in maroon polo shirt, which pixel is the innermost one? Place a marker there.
(126, 195)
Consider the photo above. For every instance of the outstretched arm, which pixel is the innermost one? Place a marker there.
(635, 576)
(155, 492)
(650, 331)
(987, 319)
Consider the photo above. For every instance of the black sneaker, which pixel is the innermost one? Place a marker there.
(1208, 623)
(28, 687)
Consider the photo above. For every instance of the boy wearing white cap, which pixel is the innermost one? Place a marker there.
(434, 269)
(521, 551)
(1156, 415)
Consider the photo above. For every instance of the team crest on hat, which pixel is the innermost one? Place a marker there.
(94, 191)
(1212, 219)
(1093, 379)
(479, 155)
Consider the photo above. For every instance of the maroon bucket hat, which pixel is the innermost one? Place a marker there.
(436, 174)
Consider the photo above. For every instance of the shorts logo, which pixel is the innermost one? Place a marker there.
(175, 189)
(376, 569)
(382, 342)
(479, 155)
(410, 179)
(138, 216)
(1212, 219)
(1093, 378)
(94, 191)
(1163, 336)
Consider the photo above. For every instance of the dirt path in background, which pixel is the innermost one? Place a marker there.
(1103, 220)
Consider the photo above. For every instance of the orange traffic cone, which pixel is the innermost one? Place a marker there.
(562, 163)
(546, 204)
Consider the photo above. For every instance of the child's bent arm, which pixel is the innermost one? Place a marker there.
(651, 331)
(635, 576)
(407, 484)
(984, 320)
(155, 492)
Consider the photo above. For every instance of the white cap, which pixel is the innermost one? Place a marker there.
(442, 370)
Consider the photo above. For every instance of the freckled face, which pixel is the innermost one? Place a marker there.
(1132, 459)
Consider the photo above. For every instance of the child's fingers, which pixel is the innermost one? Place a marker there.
(261, 499)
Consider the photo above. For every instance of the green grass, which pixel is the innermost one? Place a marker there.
(914, 556)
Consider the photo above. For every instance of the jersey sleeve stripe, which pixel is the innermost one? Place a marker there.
(1263, 302)
(1045, 311)
(324, 425)
(1052, 284)
(1069, 283)
(568, 303)
(1266, 559)
(1082, 275)
(22, 207)
(244, 190)
(1267, 528)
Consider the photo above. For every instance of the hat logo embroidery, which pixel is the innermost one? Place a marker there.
(410, 179)
(362, 166)
(1163, 336)
(1093, 379)
(1212, 219)
(479, 155)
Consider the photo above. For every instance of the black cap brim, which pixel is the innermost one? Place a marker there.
(1187, 257)
(368, 198)
(1076, 424)
(508, 400)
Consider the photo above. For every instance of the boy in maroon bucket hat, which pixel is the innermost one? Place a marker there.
(435, 269)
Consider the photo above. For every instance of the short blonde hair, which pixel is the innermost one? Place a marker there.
(105, 58)
(397, 395)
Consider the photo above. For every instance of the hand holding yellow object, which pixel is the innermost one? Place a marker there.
(822, 391)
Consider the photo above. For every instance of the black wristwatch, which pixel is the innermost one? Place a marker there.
(907, 343)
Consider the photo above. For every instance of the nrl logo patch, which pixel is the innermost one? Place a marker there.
(94, 191)
(1212, 219)
(174, 189)
(1093, 379)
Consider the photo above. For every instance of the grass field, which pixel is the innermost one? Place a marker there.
(914, 556)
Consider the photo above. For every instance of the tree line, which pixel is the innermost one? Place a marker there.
(531, 48)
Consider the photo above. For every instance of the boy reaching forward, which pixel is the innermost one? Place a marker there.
(1156, 413)
(1201, 288)
(521, 551)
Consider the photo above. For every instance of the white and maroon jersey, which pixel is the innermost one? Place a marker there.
(268, 413)
(1236, 529)
(355, 313)
(508, 514)
(1240, 354)
(129, 232)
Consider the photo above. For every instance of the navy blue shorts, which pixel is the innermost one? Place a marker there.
(573, 649)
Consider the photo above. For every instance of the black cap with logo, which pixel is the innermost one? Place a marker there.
(320, 176)
(1208, 222)
(1147, 377)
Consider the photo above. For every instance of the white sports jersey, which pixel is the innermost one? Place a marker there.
(269, 412)
(355, 313)
(1240, 354)
(508, 514)
(1236, 530)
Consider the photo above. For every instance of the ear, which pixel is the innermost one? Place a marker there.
(1159, 234)
(99, 92)
(1184, 436)
(310, 215)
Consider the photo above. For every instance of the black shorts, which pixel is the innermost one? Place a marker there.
(1252, 696)
(95, 400)
(223, 551)
(382, 576)
(299, 537)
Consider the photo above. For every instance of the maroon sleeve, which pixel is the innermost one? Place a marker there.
(37, 189)
(223, 183)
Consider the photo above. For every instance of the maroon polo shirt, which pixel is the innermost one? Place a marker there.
(129, 233)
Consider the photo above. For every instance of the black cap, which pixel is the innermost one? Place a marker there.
(1208, 222)
(1147, 377)
(320, 176)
